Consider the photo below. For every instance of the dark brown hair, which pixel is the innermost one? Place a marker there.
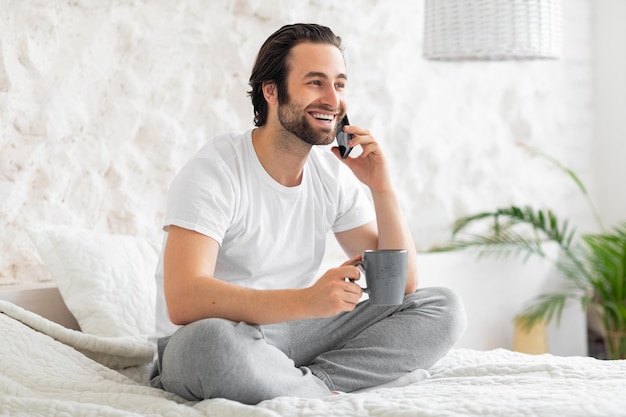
(271, 63)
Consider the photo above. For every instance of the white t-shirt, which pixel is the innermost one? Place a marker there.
(270, 236)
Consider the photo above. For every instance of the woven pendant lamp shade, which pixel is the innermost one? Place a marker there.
(492, 29)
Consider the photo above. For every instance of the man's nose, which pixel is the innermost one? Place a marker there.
(331, 97)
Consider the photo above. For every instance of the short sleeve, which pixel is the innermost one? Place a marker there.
(202, 198)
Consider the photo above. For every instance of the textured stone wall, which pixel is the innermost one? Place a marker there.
(101, 102)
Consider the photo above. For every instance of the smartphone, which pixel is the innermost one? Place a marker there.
(343, 138)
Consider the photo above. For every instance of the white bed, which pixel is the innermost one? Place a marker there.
(48, 369)
(43, 375)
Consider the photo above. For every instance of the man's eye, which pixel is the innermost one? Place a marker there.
(315, 82)
(340, 85)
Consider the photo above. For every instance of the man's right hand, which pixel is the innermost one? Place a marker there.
(335, 292)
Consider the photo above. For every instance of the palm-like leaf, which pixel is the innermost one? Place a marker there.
(595, 265)
(546, 307)
(514, 231)
(567, 171)
(523, 231)
(607, 259)
(596, 269)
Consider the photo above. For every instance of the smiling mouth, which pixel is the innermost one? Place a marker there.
(324, 117)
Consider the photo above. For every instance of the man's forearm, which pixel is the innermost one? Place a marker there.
(394, 232)
(211, 297)
(208, 297)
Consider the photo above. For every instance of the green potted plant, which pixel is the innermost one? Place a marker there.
(593, 264)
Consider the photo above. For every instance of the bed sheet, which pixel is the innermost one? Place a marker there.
(43, 375)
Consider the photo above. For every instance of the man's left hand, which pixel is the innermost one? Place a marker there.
(370, 166)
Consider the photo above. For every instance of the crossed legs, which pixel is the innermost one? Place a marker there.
(370, 346)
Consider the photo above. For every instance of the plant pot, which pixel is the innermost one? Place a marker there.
(615, 343)
(614, 338)
(533, 341)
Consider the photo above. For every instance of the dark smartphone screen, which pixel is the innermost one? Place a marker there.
(343, 138)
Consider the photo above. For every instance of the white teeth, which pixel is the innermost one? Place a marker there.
(323, 116)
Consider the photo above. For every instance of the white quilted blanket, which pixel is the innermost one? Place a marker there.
(43, 375)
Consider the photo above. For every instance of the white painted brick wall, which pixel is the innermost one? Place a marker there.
(102, 103)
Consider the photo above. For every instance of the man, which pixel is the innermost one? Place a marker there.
(240, 312)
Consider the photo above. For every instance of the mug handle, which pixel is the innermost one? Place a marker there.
(360, 264)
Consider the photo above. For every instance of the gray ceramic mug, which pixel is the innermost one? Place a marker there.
(385, 273)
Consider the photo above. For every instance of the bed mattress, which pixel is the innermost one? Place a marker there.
(50, 370)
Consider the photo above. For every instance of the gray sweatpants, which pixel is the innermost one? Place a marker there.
(372, 345)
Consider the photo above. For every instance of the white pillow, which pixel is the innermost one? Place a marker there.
(106, 281)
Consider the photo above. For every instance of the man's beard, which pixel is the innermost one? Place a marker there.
(296, 123)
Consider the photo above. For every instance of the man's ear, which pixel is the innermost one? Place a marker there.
(270, 92)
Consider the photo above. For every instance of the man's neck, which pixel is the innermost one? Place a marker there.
(281, 154)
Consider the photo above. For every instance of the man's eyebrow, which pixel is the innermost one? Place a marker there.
(317, 74)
